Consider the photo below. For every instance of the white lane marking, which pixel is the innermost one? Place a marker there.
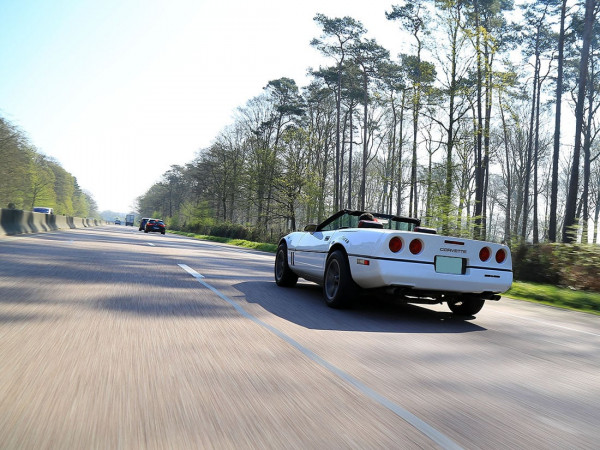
(433, 434)
(191, 271)
(150, 244)
(548, 323)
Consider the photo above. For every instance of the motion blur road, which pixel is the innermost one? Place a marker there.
(112, 338)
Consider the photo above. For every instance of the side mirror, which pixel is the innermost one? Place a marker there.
(310, 228)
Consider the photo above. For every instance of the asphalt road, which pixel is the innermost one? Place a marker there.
(112, 338)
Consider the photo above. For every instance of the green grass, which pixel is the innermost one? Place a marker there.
(539, 293)
(271, 248)
(556, 296)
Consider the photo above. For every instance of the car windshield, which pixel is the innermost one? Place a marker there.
(350, 219)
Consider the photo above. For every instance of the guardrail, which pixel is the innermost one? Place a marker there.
(16, 221)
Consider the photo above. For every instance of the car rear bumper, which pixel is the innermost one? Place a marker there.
(423, 276)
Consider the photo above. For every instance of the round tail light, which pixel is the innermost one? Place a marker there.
(500, 256)
(415, 247)
(484, 254)
(395, 244)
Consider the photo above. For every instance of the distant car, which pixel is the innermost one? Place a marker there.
(143, 223)
(155, 225)
(117, 222)
(43, 210)
(394, 255)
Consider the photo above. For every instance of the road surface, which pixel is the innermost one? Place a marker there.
(113, 338)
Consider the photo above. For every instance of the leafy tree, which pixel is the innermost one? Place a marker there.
(368, 56)
(339, 35)
(413, 17)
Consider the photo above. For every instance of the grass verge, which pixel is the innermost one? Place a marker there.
(556, 296)
(532, 292)
(271, 248)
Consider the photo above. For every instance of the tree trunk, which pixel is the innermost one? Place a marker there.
(535, 166)
(447, 201)
(337, 200)
(507, 235)
(350, 158)
(587, 162)
(596, 217)
(413, 169)
(478, 212)
(363, 185)
(400, 145)
(529, 156)
(556, 152)
(570, 219)
(342, 167)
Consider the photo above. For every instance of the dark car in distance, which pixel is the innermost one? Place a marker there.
(155, 225)
(143, 223)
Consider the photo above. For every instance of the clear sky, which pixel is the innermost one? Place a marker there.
(119, 90)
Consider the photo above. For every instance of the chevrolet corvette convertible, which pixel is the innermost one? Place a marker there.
(352, 252)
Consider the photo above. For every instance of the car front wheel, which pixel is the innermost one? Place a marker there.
(467, 306)
(338, 287)
(284, 276)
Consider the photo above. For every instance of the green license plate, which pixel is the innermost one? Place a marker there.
(449, 264)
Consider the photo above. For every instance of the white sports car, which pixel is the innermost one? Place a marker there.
(349, 252)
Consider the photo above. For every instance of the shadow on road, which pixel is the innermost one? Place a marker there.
(304, 306)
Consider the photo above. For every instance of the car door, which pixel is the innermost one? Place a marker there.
(311, 252)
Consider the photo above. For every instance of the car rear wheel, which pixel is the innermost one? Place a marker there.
(467, 306)
(284, 276)
(338, 287)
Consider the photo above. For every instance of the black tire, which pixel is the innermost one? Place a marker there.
(162, 232)
(284, 276)
(145, 231)
(339, 290)
(466, 306)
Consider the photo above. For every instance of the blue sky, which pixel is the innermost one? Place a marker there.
(119, 90)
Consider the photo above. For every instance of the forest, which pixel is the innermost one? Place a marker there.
(30, 178)
(487, 127)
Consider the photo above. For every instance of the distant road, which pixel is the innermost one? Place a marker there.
(113, 338)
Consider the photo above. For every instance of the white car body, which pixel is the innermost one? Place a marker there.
(445, 269)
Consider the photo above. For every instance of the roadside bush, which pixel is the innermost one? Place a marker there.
(572, 265)
(578, 265)
(534, 263)
(224, 229)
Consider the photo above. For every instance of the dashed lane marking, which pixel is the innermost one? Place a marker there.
(433, 434)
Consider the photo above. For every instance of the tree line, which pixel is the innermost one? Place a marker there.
(486, 127)
(30, 178)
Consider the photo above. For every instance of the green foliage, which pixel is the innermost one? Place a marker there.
(262, 246)
(223, 229)
(555, 296)
(573, 265)
(31, 179)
